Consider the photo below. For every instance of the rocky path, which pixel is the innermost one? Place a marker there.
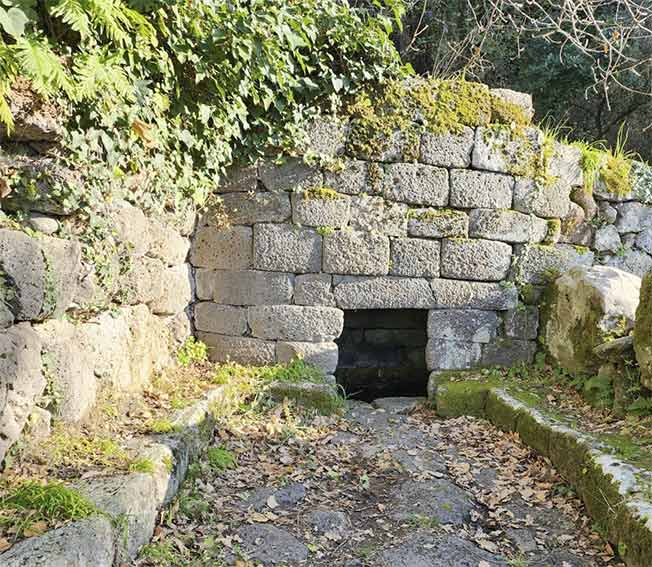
(387, 486)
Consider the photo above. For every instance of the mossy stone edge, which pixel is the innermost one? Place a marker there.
(610, 488)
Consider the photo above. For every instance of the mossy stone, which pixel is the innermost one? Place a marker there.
(455, 399)
(502, 411)
(534, 431)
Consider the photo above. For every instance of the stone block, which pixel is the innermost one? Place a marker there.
(180, 326)
(241, 350)
(167, 244)
(643, 241)
(416, 184)
(466, 325)
(228, 248)
(447, 150)
(131, 227)
(501, 151)
(249, 287)
(143, 283)
(295, 323)
(393, 148)
(43, 223)
(524, 100)
(220, 319)
(321, 208)
(522, 322)
(287, 248)
(325, 137)
(355, 292)
(508, 352)
(566, 164)
(539, 264)
(547, 202)
(484, 260)
(356, 253)
(607, 239)
(374, 214)
(351, 179)
(177, 291)
(292, 175)
(252, 208)
(633, 261)
(588, 306)
(21, 381)
(449, 294)
(323, 355)
(442, 354)
(239, 179)
(314, 289)
(39, 275)
(642, 334)
(477, 189)
(633, 217)
(438, 223)
(573, 228)
(607, 213)
(414, 257)
(35, 118)
(507, 226)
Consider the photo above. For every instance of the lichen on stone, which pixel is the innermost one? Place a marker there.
(323, 193)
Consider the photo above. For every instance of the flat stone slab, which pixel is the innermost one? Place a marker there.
(270, 545)
(328, 521)
(398, 405)
(286, 498)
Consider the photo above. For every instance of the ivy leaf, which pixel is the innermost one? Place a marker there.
(13, 21)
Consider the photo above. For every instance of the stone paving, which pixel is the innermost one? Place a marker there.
(386, 486)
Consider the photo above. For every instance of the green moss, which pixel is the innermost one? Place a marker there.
(431, 215)
(325, 230)
(142, 466)
(323, 193)
(554, 230)
(221, 459)
(462, 398)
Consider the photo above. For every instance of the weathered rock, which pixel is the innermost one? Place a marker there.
(463, 325)
(143, 283)
(642, 333)
(131, 227)
(476, 189)
(438, 223)
(248, 287)
(39, 424)
(220, 319)
(35, 118)
(292, 175)
(574, 229)
(314, 289)
(177, 291)
(321, 355)
(270, 545)
(21, 381)
(243, 350)
(167, 244)
(322, 397)
(522, 322)
(473, 295)
(566, 164)
(222, 248)
(587, 306)
(447, 150)
(438, 500)
(507, 226)
(508, 352)
(374, 214)
(524, 100)
(607, 239)
(43, 223)
(539, 264)
(392, 148)
(351, 179)
(484, 260)
(633, 261)
(359, 292)
(39, 275)
(325, 137)
(442, 354)
(356, 253)
(239, 179)
(316, 209)
(644, 241)
(414, 257)
(295, 323)
(331, 522)
(607, 213)
(287, 248)
(633, 217)
(284, 498)
(586, 201)
(499, 150)
(544, 201)
(251, 208)
(416, 184)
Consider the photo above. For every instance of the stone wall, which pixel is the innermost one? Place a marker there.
(75, 330)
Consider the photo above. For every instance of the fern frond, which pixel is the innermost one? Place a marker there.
(73, 13)
(101, 73)
(108, 16)
(6, 117)
(38, 62)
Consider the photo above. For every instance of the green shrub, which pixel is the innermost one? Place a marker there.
(192, 351)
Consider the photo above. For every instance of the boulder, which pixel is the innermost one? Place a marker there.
(585, 308)
(643, 332)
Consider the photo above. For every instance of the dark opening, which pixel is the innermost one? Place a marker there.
(382, 353)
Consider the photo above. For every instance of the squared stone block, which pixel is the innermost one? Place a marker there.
(452, 355)
(547, 202)
(480, 190)
(295, 323)
(387, 149)
(483, 260)
(522, 322)
(351, 179)
(314, 289)
(374, 214)
(292, 175)
(251, 208)
(566, 164)
(414, 257)
(355, 292)
(239, 179)
(167, 244)
(356, 253)
(507, 226)
(220, 319)
(321, 208)
(177, 291)
(241, 350)
(438, 223)
(501, 151)
(447, 150)
(416, 184)
(248, 287)
(539, 264)
(222, 248)
(508, 352)
(473, 295)
(325, 137)
(633, 217)
(322, 355)
(286, 248)
(463, 325)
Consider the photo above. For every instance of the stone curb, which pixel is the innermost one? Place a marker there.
(129, 502)
(617, 494)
